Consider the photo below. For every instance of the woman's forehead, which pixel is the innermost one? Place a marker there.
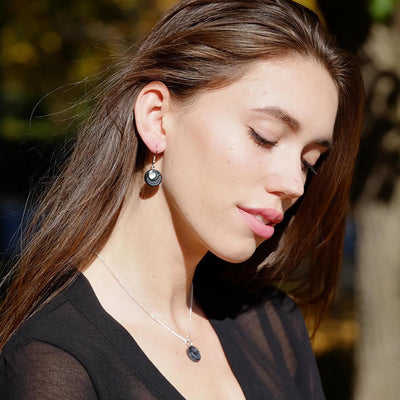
(297, 90)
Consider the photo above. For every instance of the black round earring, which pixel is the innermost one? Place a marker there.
(153, 177)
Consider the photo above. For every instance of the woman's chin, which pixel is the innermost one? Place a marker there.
(238, 253)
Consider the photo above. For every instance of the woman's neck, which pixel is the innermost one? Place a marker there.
(154, 258)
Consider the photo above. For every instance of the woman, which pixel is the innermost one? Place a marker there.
(218, 162)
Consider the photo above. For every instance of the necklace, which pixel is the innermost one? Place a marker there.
(192, 351)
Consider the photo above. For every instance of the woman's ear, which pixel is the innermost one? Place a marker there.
(150, 107)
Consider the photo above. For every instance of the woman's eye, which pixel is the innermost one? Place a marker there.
(259, 140)
(308, 167)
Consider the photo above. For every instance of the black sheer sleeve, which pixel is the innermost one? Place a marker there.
(40, 371)
(269, 351)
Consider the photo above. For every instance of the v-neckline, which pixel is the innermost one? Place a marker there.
(129, 349)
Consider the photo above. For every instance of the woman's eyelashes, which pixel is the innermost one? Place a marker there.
(308, 167)
(259, 140)
(265, 143)
(315, 166)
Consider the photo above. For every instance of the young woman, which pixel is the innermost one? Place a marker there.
(217, 164)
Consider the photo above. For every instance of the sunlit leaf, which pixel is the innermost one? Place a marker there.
(382, 9)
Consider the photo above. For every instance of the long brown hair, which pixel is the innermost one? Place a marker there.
(197, 45)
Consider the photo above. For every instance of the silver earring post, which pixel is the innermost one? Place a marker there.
(153, 177)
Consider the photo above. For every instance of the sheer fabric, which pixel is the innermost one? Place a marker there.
(73, 349)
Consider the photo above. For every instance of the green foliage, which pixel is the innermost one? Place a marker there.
(47, 46)
(381, 10)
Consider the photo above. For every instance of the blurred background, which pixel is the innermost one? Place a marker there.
(51, 54)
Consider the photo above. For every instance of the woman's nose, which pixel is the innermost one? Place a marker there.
(288, 184)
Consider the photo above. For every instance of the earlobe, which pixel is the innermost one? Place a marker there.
(150, 107)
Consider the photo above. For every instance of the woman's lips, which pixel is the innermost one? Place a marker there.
(261, 220)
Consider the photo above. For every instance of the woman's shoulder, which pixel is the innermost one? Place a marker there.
(63, 321)
(274, 310)
(43, 346)
(43, 323)
(270, 317)
(270, 338)
(276, 302)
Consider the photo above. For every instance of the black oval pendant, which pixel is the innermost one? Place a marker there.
(153, 177)
(193, 353)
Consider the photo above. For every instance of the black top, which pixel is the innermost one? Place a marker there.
(73, 349)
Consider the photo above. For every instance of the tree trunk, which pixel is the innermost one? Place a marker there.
(377, 213)
(378, 288)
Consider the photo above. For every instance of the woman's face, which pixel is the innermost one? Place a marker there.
(237, 157)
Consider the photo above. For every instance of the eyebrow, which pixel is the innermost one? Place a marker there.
(282, 115)
(290, 121)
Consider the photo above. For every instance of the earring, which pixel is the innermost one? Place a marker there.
(153, 177)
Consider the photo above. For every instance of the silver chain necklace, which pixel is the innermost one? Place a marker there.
(192, 351)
